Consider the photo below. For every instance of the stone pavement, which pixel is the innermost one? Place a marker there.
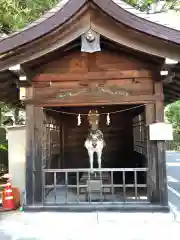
(88, 226)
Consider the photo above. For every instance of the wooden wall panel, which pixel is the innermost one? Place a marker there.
(118, 137)
(78, 62)
(112, 61)
(111, 69)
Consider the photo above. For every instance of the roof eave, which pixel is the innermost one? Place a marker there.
(72, 7)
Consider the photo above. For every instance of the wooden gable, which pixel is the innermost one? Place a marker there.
(118, 73)
(106, 60)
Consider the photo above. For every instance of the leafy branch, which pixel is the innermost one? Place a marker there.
(16, 14)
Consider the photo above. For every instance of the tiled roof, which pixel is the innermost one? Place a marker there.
(170, 19)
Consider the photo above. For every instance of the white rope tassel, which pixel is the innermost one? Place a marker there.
(108, 119)
(79, 120)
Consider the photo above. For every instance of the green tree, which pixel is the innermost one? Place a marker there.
(143, 5)
(172, 113)
(15, 14)
(4, 109)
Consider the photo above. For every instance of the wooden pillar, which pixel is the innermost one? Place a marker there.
(30, 150)
(152, 179)
(33, 153)
(29, 154)
(161, 156)
(157, 178)
(39, 116)
(62, 141)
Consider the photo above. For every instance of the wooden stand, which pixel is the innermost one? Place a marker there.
(95, 181)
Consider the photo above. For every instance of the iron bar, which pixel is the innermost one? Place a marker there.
(124, 185)
(66, 184)
(104, 185)
(101, 186)
(74, 170)
(77, 180)
(135, 184)
(55, 187)
(110, 186)
(43, 188)
(88, 193)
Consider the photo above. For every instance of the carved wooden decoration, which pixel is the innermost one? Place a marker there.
(90, 42)
(95, 89)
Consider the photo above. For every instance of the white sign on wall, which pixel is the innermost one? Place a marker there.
(161, 131)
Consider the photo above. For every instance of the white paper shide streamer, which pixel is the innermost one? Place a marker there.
(79, 119)
(108, 119)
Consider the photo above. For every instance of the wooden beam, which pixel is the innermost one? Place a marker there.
(169, 96)
(130, 84)
(47, 77)
(9, 99)
(7, 85)
(176, 81)
(9, 76)
(11, 92)
(178, 72)
(28, 73)
(8, 93)
(84, 101)
(174, 87)
(172, 92)
(10, 79)
(45, 90)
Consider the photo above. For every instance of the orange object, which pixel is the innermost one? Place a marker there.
(16, 195)
(8, 203)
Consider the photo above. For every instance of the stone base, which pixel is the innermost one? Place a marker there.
(118, 207)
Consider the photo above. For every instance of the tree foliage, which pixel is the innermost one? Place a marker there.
(15, 14)
(143, 5)
(173, 115)
(4, 109)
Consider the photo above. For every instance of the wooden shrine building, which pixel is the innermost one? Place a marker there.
(83, 55)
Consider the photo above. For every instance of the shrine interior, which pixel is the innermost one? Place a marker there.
(125, 142)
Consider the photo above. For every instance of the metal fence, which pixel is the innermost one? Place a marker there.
(65, 186)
